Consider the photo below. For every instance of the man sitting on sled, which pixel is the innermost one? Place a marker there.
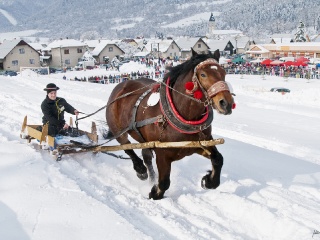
(53, 108)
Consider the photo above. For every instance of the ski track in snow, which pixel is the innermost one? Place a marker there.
(8, 16)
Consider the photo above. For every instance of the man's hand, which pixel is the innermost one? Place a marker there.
(66, 126)
(76, 112)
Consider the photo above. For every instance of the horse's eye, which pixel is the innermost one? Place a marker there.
(202, 75)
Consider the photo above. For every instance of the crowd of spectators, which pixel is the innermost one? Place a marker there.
(280, 71)
(156, 69)
(113, 78)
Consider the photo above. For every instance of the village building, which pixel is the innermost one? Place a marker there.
(241, 43)
(16, 53)
(64, 53)
(163, 48)
(130, 41)
(106, 50)
(295, 49)
(281, 38)
(225, 46)
(188, 43)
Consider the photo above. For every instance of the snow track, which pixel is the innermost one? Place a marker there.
(269, 186)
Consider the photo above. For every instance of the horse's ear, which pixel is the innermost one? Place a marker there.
(194, 53)
(216, 55)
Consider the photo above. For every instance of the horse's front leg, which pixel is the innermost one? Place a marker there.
(164, 169)
(212, 179)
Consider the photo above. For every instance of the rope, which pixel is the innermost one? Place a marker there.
(116, 99)
(116, 156)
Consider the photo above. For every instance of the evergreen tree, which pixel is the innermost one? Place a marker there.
(300, 34)
(318, 24)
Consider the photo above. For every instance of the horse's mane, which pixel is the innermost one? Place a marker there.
(184, 68)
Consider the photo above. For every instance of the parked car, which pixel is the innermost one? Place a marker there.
(280, 89)
(59, 70)
(10, 73)
(43, 71)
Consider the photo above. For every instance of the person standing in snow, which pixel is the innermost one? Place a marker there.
(53, 108)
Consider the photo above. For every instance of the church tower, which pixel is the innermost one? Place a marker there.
(211, 25)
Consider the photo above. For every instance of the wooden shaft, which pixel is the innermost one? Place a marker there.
(157, 144)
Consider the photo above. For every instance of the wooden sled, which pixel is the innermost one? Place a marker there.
(31, 132)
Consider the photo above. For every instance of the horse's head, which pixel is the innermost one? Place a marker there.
(210, 77)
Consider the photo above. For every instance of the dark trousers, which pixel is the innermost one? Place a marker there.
(54, 130)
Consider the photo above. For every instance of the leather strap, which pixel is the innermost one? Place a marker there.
(217, 87)
(175, 122)
(135, 125)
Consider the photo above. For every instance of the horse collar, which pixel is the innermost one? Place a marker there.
(176, 120)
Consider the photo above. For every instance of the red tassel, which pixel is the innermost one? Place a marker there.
(198, 94)
(234, 105)
(189, 86)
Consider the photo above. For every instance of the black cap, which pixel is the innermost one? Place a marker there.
(51, 87)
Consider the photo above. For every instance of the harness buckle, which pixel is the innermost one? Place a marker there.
(207, 102)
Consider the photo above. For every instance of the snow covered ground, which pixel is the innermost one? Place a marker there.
(270, 186)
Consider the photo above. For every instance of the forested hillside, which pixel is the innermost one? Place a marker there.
(131, 18)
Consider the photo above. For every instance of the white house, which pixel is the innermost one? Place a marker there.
(17, 53)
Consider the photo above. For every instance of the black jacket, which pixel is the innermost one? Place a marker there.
(53, 111)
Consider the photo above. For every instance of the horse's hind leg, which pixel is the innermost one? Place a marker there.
(147, 159)
(138, 166)
(212, 179)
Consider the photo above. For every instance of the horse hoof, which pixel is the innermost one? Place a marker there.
(142, 176)
(203, 183)
(154, 195)
(208, 183)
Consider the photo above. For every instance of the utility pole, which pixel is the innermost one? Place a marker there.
(236, 38)
(60, 57)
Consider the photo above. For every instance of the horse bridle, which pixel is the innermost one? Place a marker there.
(215, 88)
(171, 114)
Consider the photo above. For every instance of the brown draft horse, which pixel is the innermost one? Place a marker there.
(181, 115)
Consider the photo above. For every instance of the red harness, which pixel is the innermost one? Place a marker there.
(202, 120)
(175, 120)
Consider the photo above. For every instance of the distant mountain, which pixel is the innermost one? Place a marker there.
(132, 18)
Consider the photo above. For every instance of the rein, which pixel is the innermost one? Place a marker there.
(114, 100)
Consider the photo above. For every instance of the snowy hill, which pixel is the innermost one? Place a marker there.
(132, 18)
(270, 186)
